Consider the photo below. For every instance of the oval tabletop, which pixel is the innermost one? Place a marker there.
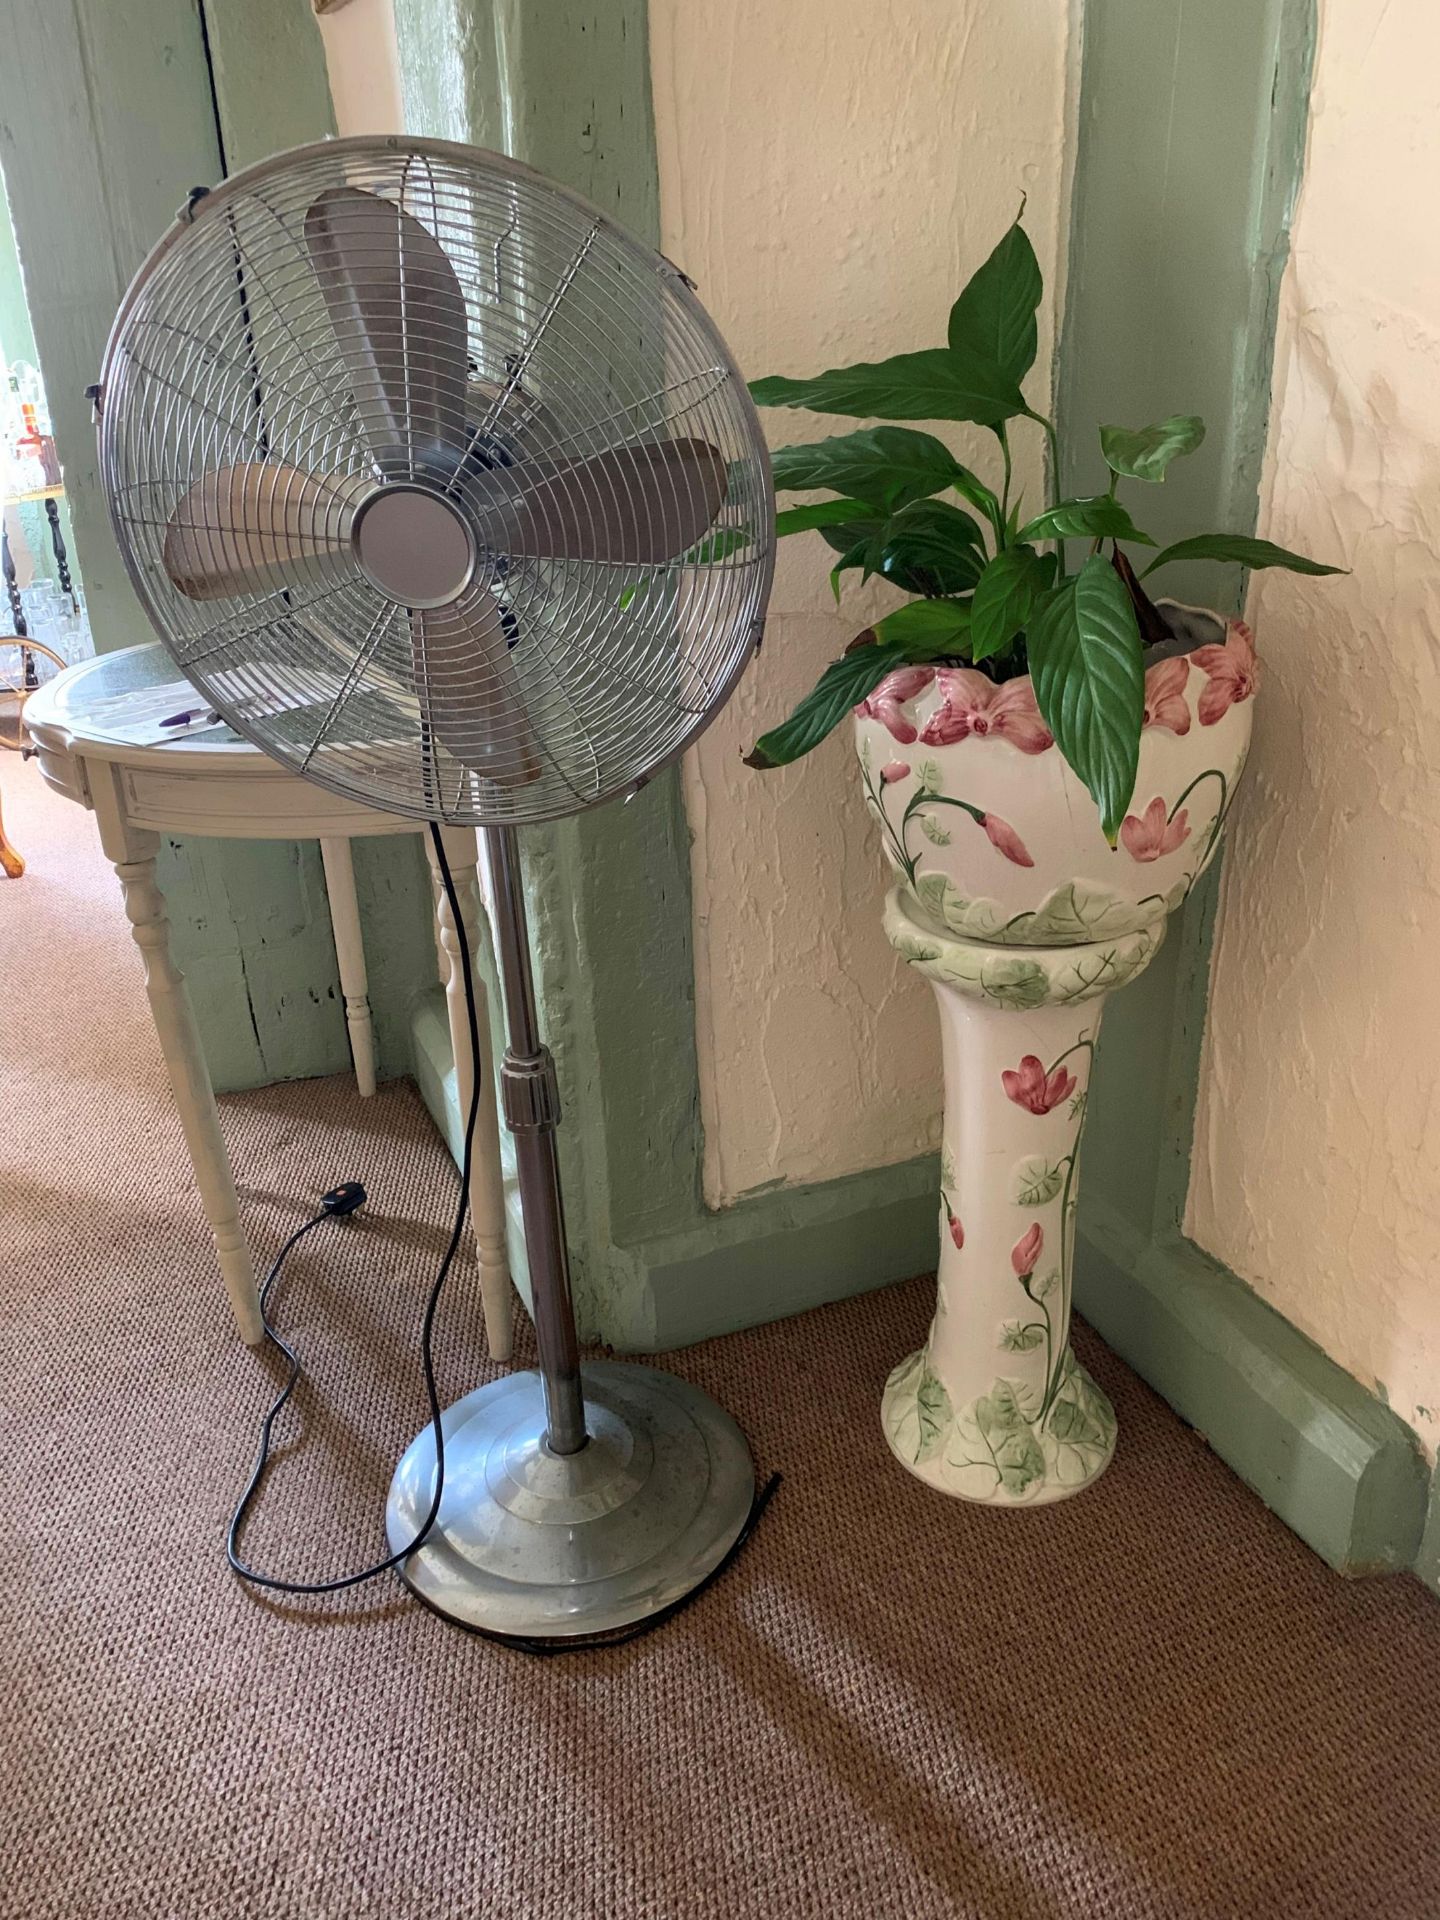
(212, 782)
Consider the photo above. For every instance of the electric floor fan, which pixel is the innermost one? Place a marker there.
(446, 493)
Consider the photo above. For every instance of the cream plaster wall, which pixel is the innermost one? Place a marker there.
(830, 172)
(363, 66)
(1317, 1165)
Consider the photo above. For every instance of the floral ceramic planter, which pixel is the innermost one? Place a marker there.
(1011, 903)
(994, 838)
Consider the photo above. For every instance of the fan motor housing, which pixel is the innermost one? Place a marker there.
(415, 545)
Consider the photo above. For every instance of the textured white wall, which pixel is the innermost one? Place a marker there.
(363, 67)
(1317, 1164)
(830, 172)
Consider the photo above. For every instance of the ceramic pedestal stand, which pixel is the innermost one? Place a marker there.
(1023, 918)
(994, 1407)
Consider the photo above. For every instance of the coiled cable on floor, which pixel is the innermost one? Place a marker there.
(271, 1582)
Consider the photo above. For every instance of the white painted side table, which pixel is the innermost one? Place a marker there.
(218, 785)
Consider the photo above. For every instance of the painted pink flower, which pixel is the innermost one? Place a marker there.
(1232, 672)
(1026, 1251)
(1001, 834)
(1029, 1086)
(886, 703)
(957, 1232)
(897, 770)
(1165, 702)
(975, 705)
(1145, 836)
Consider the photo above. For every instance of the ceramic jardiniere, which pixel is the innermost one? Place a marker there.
(1023, 918)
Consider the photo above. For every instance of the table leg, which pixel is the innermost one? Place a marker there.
(487, 1186)
(11, 863)
(350, 954)
(132, 852)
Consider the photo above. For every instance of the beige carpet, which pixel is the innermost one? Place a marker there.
(1152, 1701)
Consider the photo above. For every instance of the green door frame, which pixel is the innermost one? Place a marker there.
(110, 110)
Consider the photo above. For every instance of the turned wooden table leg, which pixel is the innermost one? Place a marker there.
(132, 851)
(350, 954)
(11, 864)
(487, 1187)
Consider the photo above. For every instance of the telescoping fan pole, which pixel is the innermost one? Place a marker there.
(531, 1103)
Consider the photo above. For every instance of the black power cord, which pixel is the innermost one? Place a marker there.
(344, 1200)
(337, 1204)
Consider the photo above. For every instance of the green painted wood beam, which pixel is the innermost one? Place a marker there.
(94, 180)
(1191, 138)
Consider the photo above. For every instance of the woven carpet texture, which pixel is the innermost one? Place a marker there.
(1150, 1701)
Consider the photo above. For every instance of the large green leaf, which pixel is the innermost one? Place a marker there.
(931, 385)
(883, 466)
(1005, 597)
(1242, 550)
(843, 685)
(841, 537)
(818, 514)
(994, 318)
(1087, 665)
(927, 628)
(863, 553)
(931, 548)
(1101, 517)
(1145, 452)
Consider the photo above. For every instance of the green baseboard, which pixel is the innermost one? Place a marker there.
(763, 1259)
(1335, 1464)
(1427, 1560)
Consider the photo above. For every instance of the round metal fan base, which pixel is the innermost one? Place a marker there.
(544, 1545)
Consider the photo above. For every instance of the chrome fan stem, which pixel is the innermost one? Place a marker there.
(531, 1104)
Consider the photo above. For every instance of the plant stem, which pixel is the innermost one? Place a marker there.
(1002, 531)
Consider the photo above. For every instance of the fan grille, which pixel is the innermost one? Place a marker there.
(578, 342)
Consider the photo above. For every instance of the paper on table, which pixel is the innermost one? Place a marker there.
(139, 715)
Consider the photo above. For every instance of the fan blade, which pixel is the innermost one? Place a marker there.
(468, 691)
(639, 505)
(257, 525)
(399, 320)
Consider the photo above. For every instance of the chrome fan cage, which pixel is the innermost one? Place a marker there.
(485, 542)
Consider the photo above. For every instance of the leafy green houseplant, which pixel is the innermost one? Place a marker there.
(993, 589)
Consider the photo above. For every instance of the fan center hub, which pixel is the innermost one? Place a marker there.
(415, 545)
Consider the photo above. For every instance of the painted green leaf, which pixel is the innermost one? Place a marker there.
(947, 1166)
(1079, 911)
(994, 317)
(1017, 983)
(1019, 1460)
(1087, 666)
(1100, 517)
(932, 1405)
(936, 623)
(931, 385)
(1036, 1180)
(1240, 549)
(1015, 1338)
(931, 548)
(843, 685)
(1005, 597)
(817, 514)
(884, 466)
(1145, 452)
(933, 831)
